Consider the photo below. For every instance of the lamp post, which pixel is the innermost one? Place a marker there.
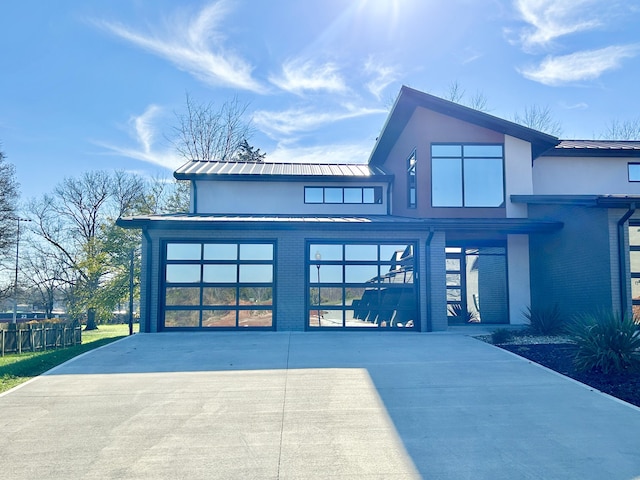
(15, 280)
(318, 257)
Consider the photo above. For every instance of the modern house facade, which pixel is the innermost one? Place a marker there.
(458, 217)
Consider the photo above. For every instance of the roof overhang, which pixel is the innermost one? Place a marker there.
(409, 99)
(269, 172)
(602, 201)
(369, 223)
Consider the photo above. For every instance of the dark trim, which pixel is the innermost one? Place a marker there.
(462, 159)
(576, 200)
(358, 223)
(309, 262)
(377, 189)
(409, 99)
(593, 152)
(412, 204)
(148, 281)
(622, 256)
(195, 196)
(629, 171)
(162, 284)
(603, 201)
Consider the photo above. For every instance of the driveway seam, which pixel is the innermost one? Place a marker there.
(284, 400)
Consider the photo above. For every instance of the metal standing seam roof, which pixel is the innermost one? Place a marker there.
(256, 170)
(595, 148)
(600, 144)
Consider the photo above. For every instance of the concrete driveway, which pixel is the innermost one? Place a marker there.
(337, 405)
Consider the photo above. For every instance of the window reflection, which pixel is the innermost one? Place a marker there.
(183, 273)
(377, 290)
(256, 251)
(220, 251)
(183, 251)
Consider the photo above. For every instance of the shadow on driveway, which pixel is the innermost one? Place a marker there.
(313, 405)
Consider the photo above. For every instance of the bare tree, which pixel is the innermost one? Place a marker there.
(539, 118)
(622, 130)
(477, 101)
(8, 204)
(77, 221)
(205, 132)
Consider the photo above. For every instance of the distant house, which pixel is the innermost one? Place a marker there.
(457, 217)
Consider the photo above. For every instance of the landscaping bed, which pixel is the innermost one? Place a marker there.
(559, 357)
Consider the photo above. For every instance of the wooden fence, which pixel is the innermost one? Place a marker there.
(18, 338)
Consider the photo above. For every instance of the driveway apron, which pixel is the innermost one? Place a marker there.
(336, 405)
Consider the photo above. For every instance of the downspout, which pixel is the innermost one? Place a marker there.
(195, 196)
(428, 280)
(622, 256)
(147, 280)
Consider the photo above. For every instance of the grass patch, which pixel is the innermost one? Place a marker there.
(18, 368)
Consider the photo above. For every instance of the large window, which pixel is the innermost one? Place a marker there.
(218, 285)
(370, 195)
(361, 285)
(467, 175)
(411, 181)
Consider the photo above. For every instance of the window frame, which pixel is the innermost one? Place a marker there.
(629, 165)
(382, 283)
(377, 195)
(412, 181)
(462, 157)
(238, 286)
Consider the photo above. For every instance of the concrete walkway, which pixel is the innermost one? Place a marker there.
(337, 405)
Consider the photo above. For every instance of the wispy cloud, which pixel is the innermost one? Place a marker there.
(551, 19)
(299, 76)
(194, 45)
(332, 153)
(142, 129)
(383, 75)
(580, 66)
(289, 122)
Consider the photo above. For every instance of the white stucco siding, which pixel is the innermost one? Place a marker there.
(518, 174)
(582, 176)
(283, 198)
(519, 279)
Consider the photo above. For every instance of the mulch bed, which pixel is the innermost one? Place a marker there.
(559, 357)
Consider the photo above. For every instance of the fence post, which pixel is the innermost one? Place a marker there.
(19, 339)
(2, 341)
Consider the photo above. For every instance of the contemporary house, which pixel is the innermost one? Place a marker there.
(457, 217)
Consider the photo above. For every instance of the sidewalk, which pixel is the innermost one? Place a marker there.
(243, 405)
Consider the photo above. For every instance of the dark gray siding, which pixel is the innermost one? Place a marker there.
(572, 267)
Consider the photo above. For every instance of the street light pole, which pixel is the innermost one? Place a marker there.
(15, 281)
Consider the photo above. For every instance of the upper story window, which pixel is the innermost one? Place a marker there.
(467, 175)
(634, 172)
(411, 180)
(353, 195)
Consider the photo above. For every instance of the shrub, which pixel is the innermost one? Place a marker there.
(455, 310)
(607, 342)
(545, 320)
(501, 335)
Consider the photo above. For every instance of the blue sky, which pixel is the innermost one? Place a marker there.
(94, 84)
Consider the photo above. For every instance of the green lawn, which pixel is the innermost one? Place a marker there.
(16, 369)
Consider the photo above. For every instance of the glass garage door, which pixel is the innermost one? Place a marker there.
(361, 285)
(218, 285)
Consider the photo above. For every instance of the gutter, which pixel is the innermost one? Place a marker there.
(622, 256)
